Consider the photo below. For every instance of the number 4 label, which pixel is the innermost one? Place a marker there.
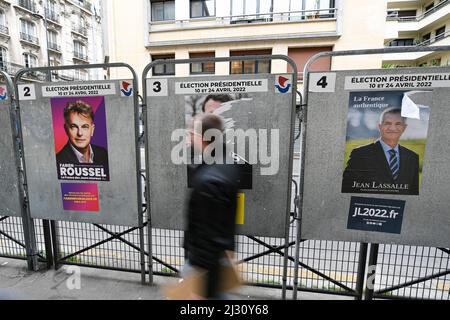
(27, 92)
(322, 82)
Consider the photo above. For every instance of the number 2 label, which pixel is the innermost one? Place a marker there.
(27, 92)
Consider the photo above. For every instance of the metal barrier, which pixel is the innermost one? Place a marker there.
(406, 272)
(26, 240)
(226, 59)
(117, 248)
(392, 283)
(329, 267)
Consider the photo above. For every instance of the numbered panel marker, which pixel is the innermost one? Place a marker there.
(27, 92)
(322, 82)
(157, 87)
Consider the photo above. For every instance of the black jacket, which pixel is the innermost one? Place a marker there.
(211, 215)
(368, 164)
(66, 155)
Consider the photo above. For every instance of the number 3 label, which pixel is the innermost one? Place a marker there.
(157, 87)
(322, 82)
(27, 92)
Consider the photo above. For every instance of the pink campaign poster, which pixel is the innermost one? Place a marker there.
(81, 144)
(80, 197)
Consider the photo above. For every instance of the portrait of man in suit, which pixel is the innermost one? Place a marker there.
(384, 166)
(79, 126)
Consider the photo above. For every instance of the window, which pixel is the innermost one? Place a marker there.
(28, 4)
(429, 7)
(250, 66)
(401, 42)
(3, 58)
(50, 11)
(164, 69)
(318, 4)
(302, 55)
(249, 7)
(80, 74)
(30, 60)
(2, 18)
(202, 8)
(28, 31)
(311, 5)
(79, 50)
(203, 67)
(440, 33)
(163, 10)
(3, 27)
(407, 13)
(53, 40)
(426, 38)
(27, 27)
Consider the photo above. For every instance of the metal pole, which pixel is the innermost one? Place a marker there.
(48, 243)
(27, 222)
(298, 221)
(373, 257)
(147, 183)
(44, 18)
(362, 260)
(138, 174)
(291, 151)
(49, 75)
(55, 243)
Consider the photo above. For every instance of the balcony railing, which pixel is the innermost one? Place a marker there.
(304, 15)
(54, 46)
(28, 4)
(87, 5)
(423, 42)
(84, 4)
(29, 38)
(79, 29)
(80, 55)
(51, 15)
(394, 16)
(434, 39)
(4, 29)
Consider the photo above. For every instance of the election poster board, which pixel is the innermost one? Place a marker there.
(257, 111)
(80, 152)
(9, 192)
(376, 157)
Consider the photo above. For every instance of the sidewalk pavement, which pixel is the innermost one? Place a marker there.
(16, 282)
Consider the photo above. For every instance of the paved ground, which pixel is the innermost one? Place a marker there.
(17, 283)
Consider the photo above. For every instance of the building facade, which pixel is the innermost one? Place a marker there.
(55, 32)
(140, 31)
(417, 23)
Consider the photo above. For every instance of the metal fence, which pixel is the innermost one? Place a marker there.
(328, 267)
(12, 240)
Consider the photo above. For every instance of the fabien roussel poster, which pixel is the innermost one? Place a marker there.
(81, 149)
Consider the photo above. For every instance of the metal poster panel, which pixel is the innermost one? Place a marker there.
(9, 191)
(79, 149)
(257, 111)
(376, 166)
